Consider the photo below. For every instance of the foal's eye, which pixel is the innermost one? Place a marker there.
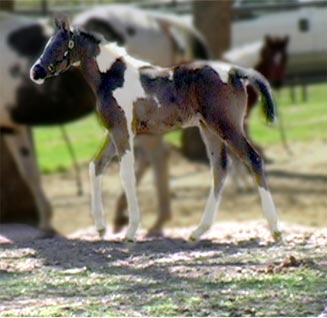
(70, 44)
(51, 68)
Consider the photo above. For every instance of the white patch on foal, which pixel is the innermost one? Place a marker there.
(269, 209)
(222, 69)
(126, 97)
(108, 55)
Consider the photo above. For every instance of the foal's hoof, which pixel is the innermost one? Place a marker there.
(277, 235)
(129, 239)
(193, 237)
(102, 233)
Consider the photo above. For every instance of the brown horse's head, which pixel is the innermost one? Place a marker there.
(273, 60)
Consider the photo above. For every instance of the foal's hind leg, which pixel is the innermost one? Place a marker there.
(219, 164)
(240, 146)
(96, 168)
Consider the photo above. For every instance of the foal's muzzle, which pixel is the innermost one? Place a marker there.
(38, 73)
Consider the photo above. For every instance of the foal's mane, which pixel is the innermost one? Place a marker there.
(98, 39)
(94, 37)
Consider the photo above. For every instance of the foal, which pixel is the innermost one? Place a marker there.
(135, 97)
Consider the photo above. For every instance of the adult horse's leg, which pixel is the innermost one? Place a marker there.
(216, 151)
(21, 147)
(159, 153)
(149, 149)
(96, 168)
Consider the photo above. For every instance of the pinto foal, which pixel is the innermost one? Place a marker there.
(135, 97)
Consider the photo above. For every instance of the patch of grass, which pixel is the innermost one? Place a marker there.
(302, 121)
(300, 291)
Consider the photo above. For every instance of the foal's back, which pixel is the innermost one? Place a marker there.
(182, 95)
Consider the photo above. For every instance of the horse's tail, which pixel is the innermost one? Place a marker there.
(259, 82)
(199, 47)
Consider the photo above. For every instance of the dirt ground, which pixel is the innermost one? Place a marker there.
(298, 185)
(234, 271)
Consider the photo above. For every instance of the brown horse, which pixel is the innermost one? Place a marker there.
(135, 97)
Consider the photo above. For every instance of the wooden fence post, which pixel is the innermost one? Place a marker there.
(7, 5)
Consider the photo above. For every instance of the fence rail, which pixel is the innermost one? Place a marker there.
(43, 7)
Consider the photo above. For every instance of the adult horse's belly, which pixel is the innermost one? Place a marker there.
(59, 100)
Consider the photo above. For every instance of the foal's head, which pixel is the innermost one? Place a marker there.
(62, 50)
(274, 59)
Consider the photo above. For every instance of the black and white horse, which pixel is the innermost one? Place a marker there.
(136, 97)
(22, 103)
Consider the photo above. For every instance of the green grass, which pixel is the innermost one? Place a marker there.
(302, 121)
(112, 293)
(58, 277)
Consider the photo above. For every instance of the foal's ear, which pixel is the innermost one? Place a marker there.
(62, 23)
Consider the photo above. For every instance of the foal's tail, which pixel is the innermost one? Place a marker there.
(259, 82)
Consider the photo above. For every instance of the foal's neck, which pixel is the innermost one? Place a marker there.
(98, 58)
(88, 49)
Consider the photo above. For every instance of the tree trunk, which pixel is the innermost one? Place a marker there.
(213, 19)
(7, 5)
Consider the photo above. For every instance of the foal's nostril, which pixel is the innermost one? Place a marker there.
(38, 74)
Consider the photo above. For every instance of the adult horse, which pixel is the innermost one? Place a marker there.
(61, 100)
(23, 103)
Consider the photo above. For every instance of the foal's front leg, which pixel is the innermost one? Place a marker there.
(96, 168)
(125, 149)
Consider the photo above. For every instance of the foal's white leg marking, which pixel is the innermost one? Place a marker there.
(269, 211)
(96, 200)
(126, 96)
(127, 174)
(209, 214)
